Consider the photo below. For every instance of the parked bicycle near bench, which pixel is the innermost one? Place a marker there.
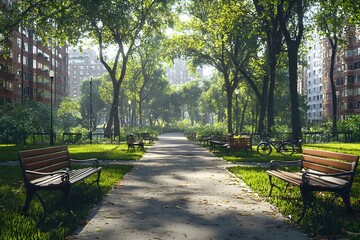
(284, 147)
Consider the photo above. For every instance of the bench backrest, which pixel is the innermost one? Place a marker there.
(44, 160)
(130, 138)
(243, 141)
(329, 162)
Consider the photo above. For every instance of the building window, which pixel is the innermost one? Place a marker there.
(350, 79)
(339, 81)
(348, 53)
(350, 66)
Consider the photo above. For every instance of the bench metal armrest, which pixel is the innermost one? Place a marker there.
(64, 174)
(274, 163)
(306, 174)
(95, 160)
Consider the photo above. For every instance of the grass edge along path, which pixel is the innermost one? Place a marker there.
(318, 222)
(57, 224)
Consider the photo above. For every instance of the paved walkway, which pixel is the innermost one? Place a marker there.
(179, 190)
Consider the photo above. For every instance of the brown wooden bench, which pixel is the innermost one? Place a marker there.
(51, 169)
(244, 143)
(319, 171)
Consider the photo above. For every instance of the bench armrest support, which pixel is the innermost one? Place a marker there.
(274, 163)
(64, 174)
(307, 174)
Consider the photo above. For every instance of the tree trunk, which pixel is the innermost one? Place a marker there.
(263, 104)
(229, 110)
(272, 75)
(243, 116)
(293, 42)
(113, 116)
(140, 113)
(332, 84)
(294, 99)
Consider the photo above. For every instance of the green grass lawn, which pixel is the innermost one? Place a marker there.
(84, 151)
(318, 221)
(335, 224)
(58, 223)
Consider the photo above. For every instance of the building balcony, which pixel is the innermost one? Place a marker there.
(8, 76)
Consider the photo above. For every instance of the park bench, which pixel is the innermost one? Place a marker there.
(51, 169)
(217, 144)
(146, 136)
(132, 142)
(219, 141)
(244, 143)
(321, 171)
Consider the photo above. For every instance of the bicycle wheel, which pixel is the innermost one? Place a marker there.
(264, 149)
(286, 149)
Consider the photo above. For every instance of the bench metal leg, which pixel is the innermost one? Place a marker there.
(271, 185)
(29, 197)
(97, 181)
(346, 198)
(66, 191)
(304, 195)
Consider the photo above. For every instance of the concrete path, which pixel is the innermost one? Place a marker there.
(179, 190)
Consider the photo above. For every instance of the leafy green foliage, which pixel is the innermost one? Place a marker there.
(68, 114)
(100, 100)
(32, 117)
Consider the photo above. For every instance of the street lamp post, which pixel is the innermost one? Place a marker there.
(129, 102)
(237, 111)
(90, 112)
(51, 75)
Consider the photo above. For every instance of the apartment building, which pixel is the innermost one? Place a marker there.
(312, 76)
(179, 73)
(24, 71)
(82, 65)
(346, 76)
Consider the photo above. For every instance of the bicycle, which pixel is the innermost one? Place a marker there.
(284, 147)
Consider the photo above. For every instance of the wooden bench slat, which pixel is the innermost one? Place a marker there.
(240, 143)
(294, 178)
(49, 162)
(327, 182)
(45, 157)
(321, 168)
(47, 180)
(76, 176)
(347, 166)
(328, 154)
(42, 151)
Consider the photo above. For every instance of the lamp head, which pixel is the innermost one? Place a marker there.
(51, 73)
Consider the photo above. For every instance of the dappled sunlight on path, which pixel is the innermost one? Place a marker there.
(179, 190)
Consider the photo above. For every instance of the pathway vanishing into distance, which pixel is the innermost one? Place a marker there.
(179, 190)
